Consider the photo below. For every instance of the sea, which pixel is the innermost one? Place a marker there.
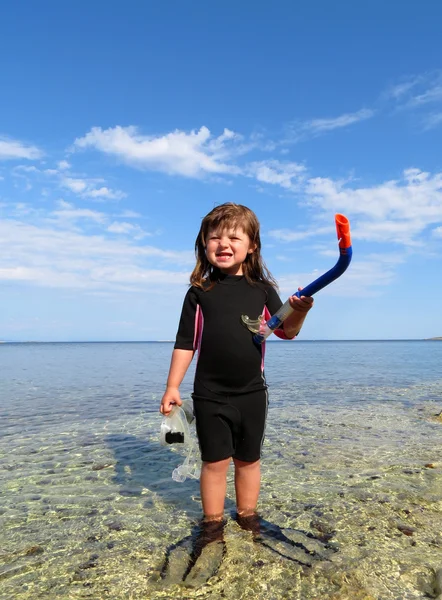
(351, 497)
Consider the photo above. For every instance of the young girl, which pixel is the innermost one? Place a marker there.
(230, 392)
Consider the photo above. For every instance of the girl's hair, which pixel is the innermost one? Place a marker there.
(229, 216)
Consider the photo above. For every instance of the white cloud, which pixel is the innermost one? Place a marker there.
(14, 149)
(417, 91)
(322, 125)
(432, 94)
(20, 169)
(104, 192)
(59, 257)
(288, 175)
(193, 154)
(124, 228)
(394, 211)
(129, 214)
(87, 189)
(67, 212)
(74, 184)
(63, 165)
(400, 89)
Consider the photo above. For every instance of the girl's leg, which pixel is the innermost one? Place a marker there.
(213, 485)
(247, 485)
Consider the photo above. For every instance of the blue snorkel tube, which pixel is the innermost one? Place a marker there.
(262, 329)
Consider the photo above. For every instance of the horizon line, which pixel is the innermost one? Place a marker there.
(437, 338)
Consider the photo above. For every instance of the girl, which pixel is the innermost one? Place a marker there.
(230, 392)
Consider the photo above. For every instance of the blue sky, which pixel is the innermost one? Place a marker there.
(123, 124)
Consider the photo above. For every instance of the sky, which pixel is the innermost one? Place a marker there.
(123, 123)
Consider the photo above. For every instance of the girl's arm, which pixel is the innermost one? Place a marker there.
(179, 364)
(292, 325)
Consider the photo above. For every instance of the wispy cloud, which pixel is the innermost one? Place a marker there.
(53, 255)
(403, 88)
(395, 211)
(104, 193)
(14, 149)
(317, 126)
(65, 179)
(419, 94)
(299, 131)
(288, 175)
(87, 188)
(67, 212)
(433, 120)
(125, 228)
(358, 281)
(191, 154)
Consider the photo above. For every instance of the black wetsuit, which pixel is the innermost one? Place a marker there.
(230, 391)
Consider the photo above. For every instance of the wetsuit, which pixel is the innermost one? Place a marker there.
(230, 391)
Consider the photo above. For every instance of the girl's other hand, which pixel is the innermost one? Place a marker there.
(170, 398)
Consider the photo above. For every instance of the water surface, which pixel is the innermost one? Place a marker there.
(352, 457)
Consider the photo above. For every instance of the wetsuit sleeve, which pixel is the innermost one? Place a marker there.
(273, 304)
(187, 335)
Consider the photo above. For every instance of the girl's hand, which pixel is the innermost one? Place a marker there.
(302, 304)
(170, 398)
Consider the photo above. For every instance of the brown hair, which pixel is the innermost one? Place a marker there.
(230, 216)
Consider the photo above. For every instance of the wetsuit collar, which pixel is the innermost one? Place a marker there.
(229, 279)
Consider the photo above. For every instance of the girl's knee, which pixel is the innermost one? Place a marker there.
(247, 466)
(219, 466)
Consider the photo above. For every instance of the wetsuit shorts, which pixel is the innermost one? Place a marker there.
(231, 425)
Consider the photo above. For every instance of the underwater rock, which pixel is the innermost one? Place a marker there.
(8, 571)
(406, 529)
(438, 584)
(100, 466)
(90, 563)
(34, 550)
(115, 525)
(437, 417)
(326, 530)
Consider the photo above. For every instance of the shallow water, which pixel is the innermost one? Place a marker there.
(352, 460)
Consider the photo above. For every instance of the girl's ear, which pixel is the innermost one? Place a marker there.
(251, 249)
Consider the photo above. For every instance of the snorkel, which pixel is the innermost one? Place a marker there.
(262, 329)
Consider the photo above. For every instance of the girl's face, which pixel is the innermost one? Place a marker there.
(227, 249)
